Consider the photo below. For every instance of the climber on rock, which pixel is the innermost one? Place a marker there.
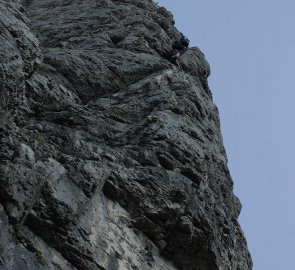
(179, 47)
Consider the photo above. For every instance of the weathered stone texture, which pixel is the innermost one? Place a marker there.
(111, 156)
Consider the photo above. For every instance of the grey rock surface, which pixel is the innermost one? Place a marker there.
(111, 156)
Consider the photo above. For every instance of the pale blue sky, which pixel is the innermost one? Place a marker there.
(250, 47)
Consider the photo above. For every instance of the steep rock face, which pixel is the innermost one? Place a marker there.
(111, 156)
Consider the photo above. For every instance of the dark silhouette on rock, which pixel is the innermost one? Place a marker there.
(111, 156)
(179, 47)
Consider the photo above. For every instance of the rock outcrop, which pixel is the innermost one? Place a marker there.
(111, 156)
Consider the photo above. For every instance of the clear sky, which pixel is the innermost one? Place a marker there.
(250, 46)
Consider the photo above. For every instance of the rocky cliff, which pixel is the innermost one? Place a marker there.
(111, 156)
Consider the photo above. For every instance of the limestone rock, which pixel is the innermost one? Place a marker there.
(111, 156)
